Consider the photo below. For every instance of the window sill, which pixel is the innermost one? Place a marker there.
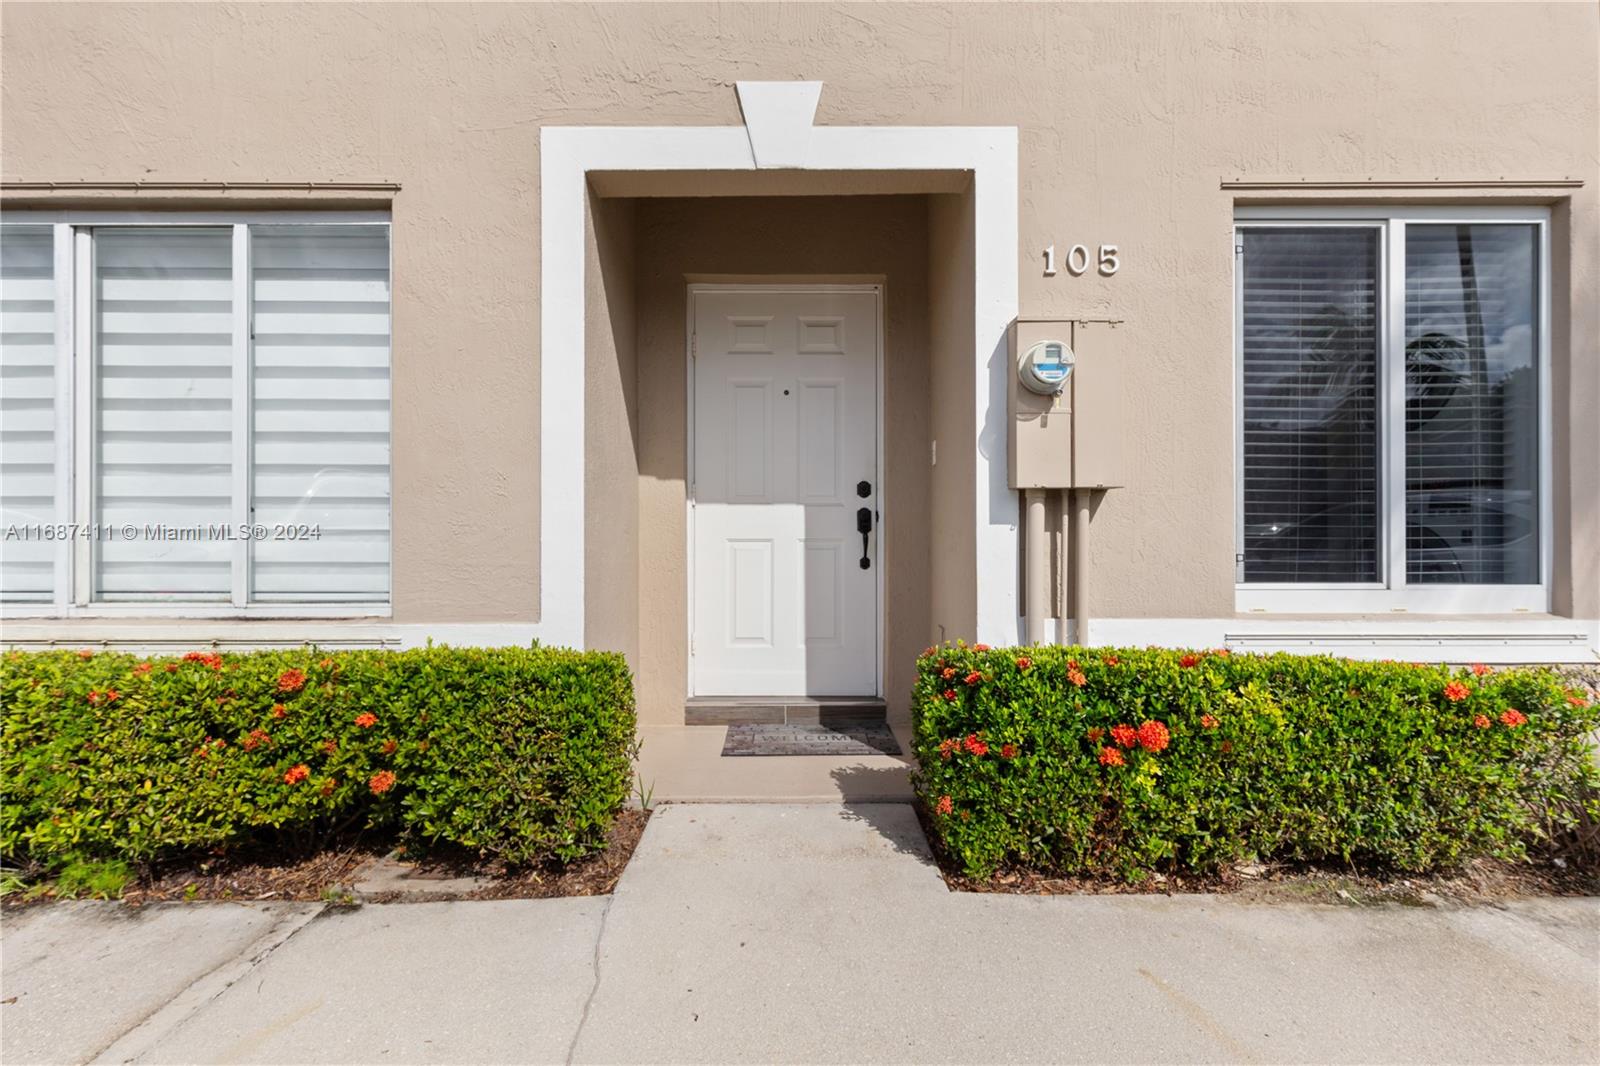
(198, 611)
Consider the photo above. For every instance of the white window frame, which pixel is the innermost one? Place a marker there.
(74, 411)
(1392, 593)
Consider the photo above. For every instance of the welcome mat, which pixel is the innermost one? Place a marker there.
(863, 738)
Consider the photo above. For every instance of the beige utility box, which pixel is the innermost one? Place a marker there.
(1071, 439)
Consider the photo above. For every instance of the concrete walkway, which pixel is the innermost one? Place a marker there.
(813, 933)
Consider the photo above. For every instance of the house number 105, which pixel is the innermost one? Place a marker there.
(1078, 260)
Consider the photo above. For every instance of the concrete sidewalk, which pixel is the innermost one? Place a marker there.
(808, 933)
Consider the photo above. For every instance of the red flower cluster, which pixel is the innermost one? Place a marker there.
(256, 738)
(366, 719)
(328, 786)
(980, 647)
(1455, 691)
(1095, 734)
(1111, 757)
(973, 678)
(1479, 669)
(381, 782)
(949, 694)
(1125, 735)
(1577, 700)
(948, 747)
(1111, 660)
(279, 710)
(330, 746)
(1513, 718)
(209, 658)
(974, 745)
(945, 805)
(1153, 736)
(1209, 721)
(291, 680)
(1024, 662)
(948, 672)
(1008, 751)
(110, 695)
(297, 774)
(326, 664)
(86, 653)
(1481, 722)
(142, 668)
(1189, 660)
(1076, 677)
(389, 747)
(927, 653)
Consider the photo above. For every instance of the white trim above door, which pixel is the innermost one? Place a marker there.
(785, 414)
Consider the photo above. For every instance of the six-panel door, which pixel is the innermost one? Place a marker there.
(785, 430)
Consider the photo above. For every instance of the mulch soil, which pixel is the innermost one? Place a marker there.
(330, 874)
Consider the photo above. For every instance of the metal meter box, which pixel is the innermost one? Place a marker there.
(1074, 438)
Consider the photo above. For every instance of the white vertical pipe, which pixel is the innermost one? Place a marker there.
(1080, 566)
(1036, 568)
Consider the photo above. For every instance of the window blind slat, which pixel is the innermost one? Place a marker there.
(321, 417)
(27, 410)
(1310, 442)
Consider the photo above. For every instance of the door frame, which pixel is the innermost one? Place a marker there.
(693, 289)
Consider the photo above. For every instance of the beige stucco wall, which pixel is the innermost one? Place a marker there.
(879, 239)
(1129, 116)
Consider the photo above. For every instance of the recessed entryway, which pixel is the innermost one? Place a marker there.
(785, 560)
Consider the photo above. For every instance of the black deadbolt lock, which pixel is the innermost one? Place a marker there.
(863, 489)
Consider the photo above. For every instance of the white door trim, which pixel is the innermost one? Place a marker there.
(566, 156)
(696, 288)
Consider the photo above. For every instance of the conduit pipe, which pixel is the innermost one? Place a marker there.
(1080, 566)
(1035, 567)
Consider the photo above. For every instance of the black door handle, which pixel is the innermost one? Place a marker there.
(864, 527)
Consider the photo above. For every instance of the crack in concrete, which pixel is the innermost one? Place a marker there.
(144, 1034)
(594, 989)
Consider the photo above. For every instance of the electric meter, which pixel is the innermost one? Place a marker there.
(1045, 367)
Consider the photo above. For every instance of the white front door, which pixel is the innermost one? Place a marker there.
(784, 452)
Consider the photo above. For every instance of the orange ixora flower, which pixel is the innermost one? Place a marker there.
(1513, 718)
(1024, 662)
(975, 745)
(945, 805)
(1111, 660)
(980, 647)
(329, 785)
(255, 739)
(381, 782)
(1125, 735)
(86, 653)
(949, 694)
(389, 746)
(1111, 757)
(1189, 660)
(326, 664)
(1153, 736)
(948, 673)
(1455, 691)
(1076, 677)
(928, 652)
(142, 668)
(973, 678)
(330, 746)
(366, 719)
(297, 774)
(1209, 721)
(279, 710)
(1008, 751)
(1481, 721)
(1095, 734)
(1577, 700)
(1479, 669)
(291, 680)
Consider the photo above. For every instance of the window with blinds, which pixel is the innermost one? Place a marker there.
(229, 430)
(28, 474)
(163, 413)
(1391, 397)
(1472, 403)
(320, 446)
(1309, 330)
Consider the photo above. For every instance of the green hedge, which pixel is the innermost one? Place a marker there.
(516, 753)
(1123, 761)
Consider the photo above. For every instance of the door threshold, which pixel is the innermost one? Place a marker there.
(783, 710)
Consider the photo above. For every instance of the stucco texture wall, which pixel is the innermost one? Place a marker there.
(1128, 115)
